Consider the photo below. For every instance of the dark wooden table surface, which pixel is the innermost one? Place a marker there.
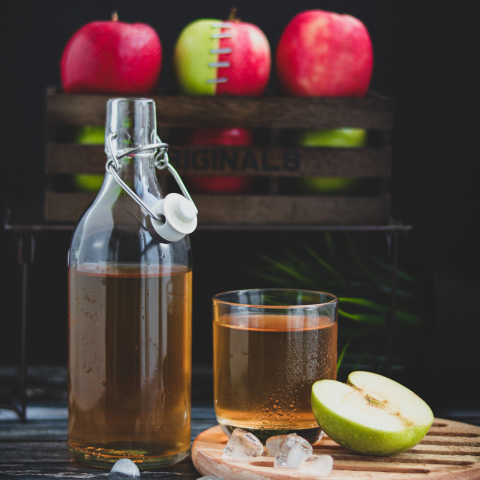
(38, 449)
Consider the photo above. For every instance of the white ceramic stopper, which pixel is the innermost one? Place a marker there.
(187, 209)
(179, 217)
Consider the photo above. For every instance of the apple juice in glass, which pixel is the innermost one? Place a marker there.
(270, 347)
(130, 297)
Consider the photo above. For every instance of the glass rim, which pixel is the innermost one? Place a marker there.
(131, 99)
(248, 305)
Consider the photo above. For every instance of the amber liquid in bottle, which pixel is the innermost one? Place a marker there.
(129, 363)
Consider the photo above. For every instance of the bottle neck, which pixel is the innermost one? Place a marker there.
(138, 172)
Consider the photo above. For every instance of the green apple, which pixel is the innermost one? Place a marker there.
(339, 138)
(90, 136)
(329, 184)
(371, 414)
(88, 183)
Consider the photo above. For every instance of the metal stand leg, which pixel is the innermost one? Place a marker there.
(391, 317)
(26, 250)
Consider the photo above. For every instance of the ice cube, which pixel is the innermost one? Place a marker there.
(293, 450)
(272, 447)
(210, 477)
(317, 465)
(124, 468)
(242, 446)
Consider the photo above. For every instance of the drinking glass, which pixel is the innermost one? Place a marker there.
(269, 347)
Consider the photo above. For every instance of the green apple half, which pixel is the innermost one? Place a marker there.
(371, 414)
(192, 57)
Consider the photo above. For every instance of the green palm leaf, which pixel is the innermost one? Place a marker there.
(376, 320)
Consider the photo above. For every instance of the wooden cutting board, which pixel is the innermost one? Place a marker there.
(450, 450)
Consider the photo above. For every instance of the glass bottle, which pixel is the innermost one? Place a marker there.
(130, 297)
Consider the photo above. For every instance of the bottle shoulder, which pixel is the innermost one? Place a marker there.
(103, 238)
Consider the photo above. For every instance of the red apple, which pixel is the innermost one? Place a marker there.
(112, 57)
(219, 136)
(323, 54)
(214, 57)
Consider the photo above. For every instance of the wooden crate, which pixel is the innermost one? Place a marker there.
(374, 113)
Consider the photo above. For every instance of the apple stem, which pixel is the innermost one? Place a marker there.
(233, 15)
(114, 17)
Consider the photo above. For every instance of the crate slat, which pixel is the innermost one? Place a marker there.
(254, 112)
(253, 161)
(252, 209)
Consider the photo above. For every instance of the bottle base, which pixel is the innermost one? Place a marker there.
(312, 435)
(105, 458)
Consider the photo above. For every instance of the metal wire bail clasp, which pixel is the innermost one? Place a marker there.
(172, 217)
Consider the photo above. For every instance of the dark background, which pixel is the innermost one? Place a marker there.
(426, 57)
